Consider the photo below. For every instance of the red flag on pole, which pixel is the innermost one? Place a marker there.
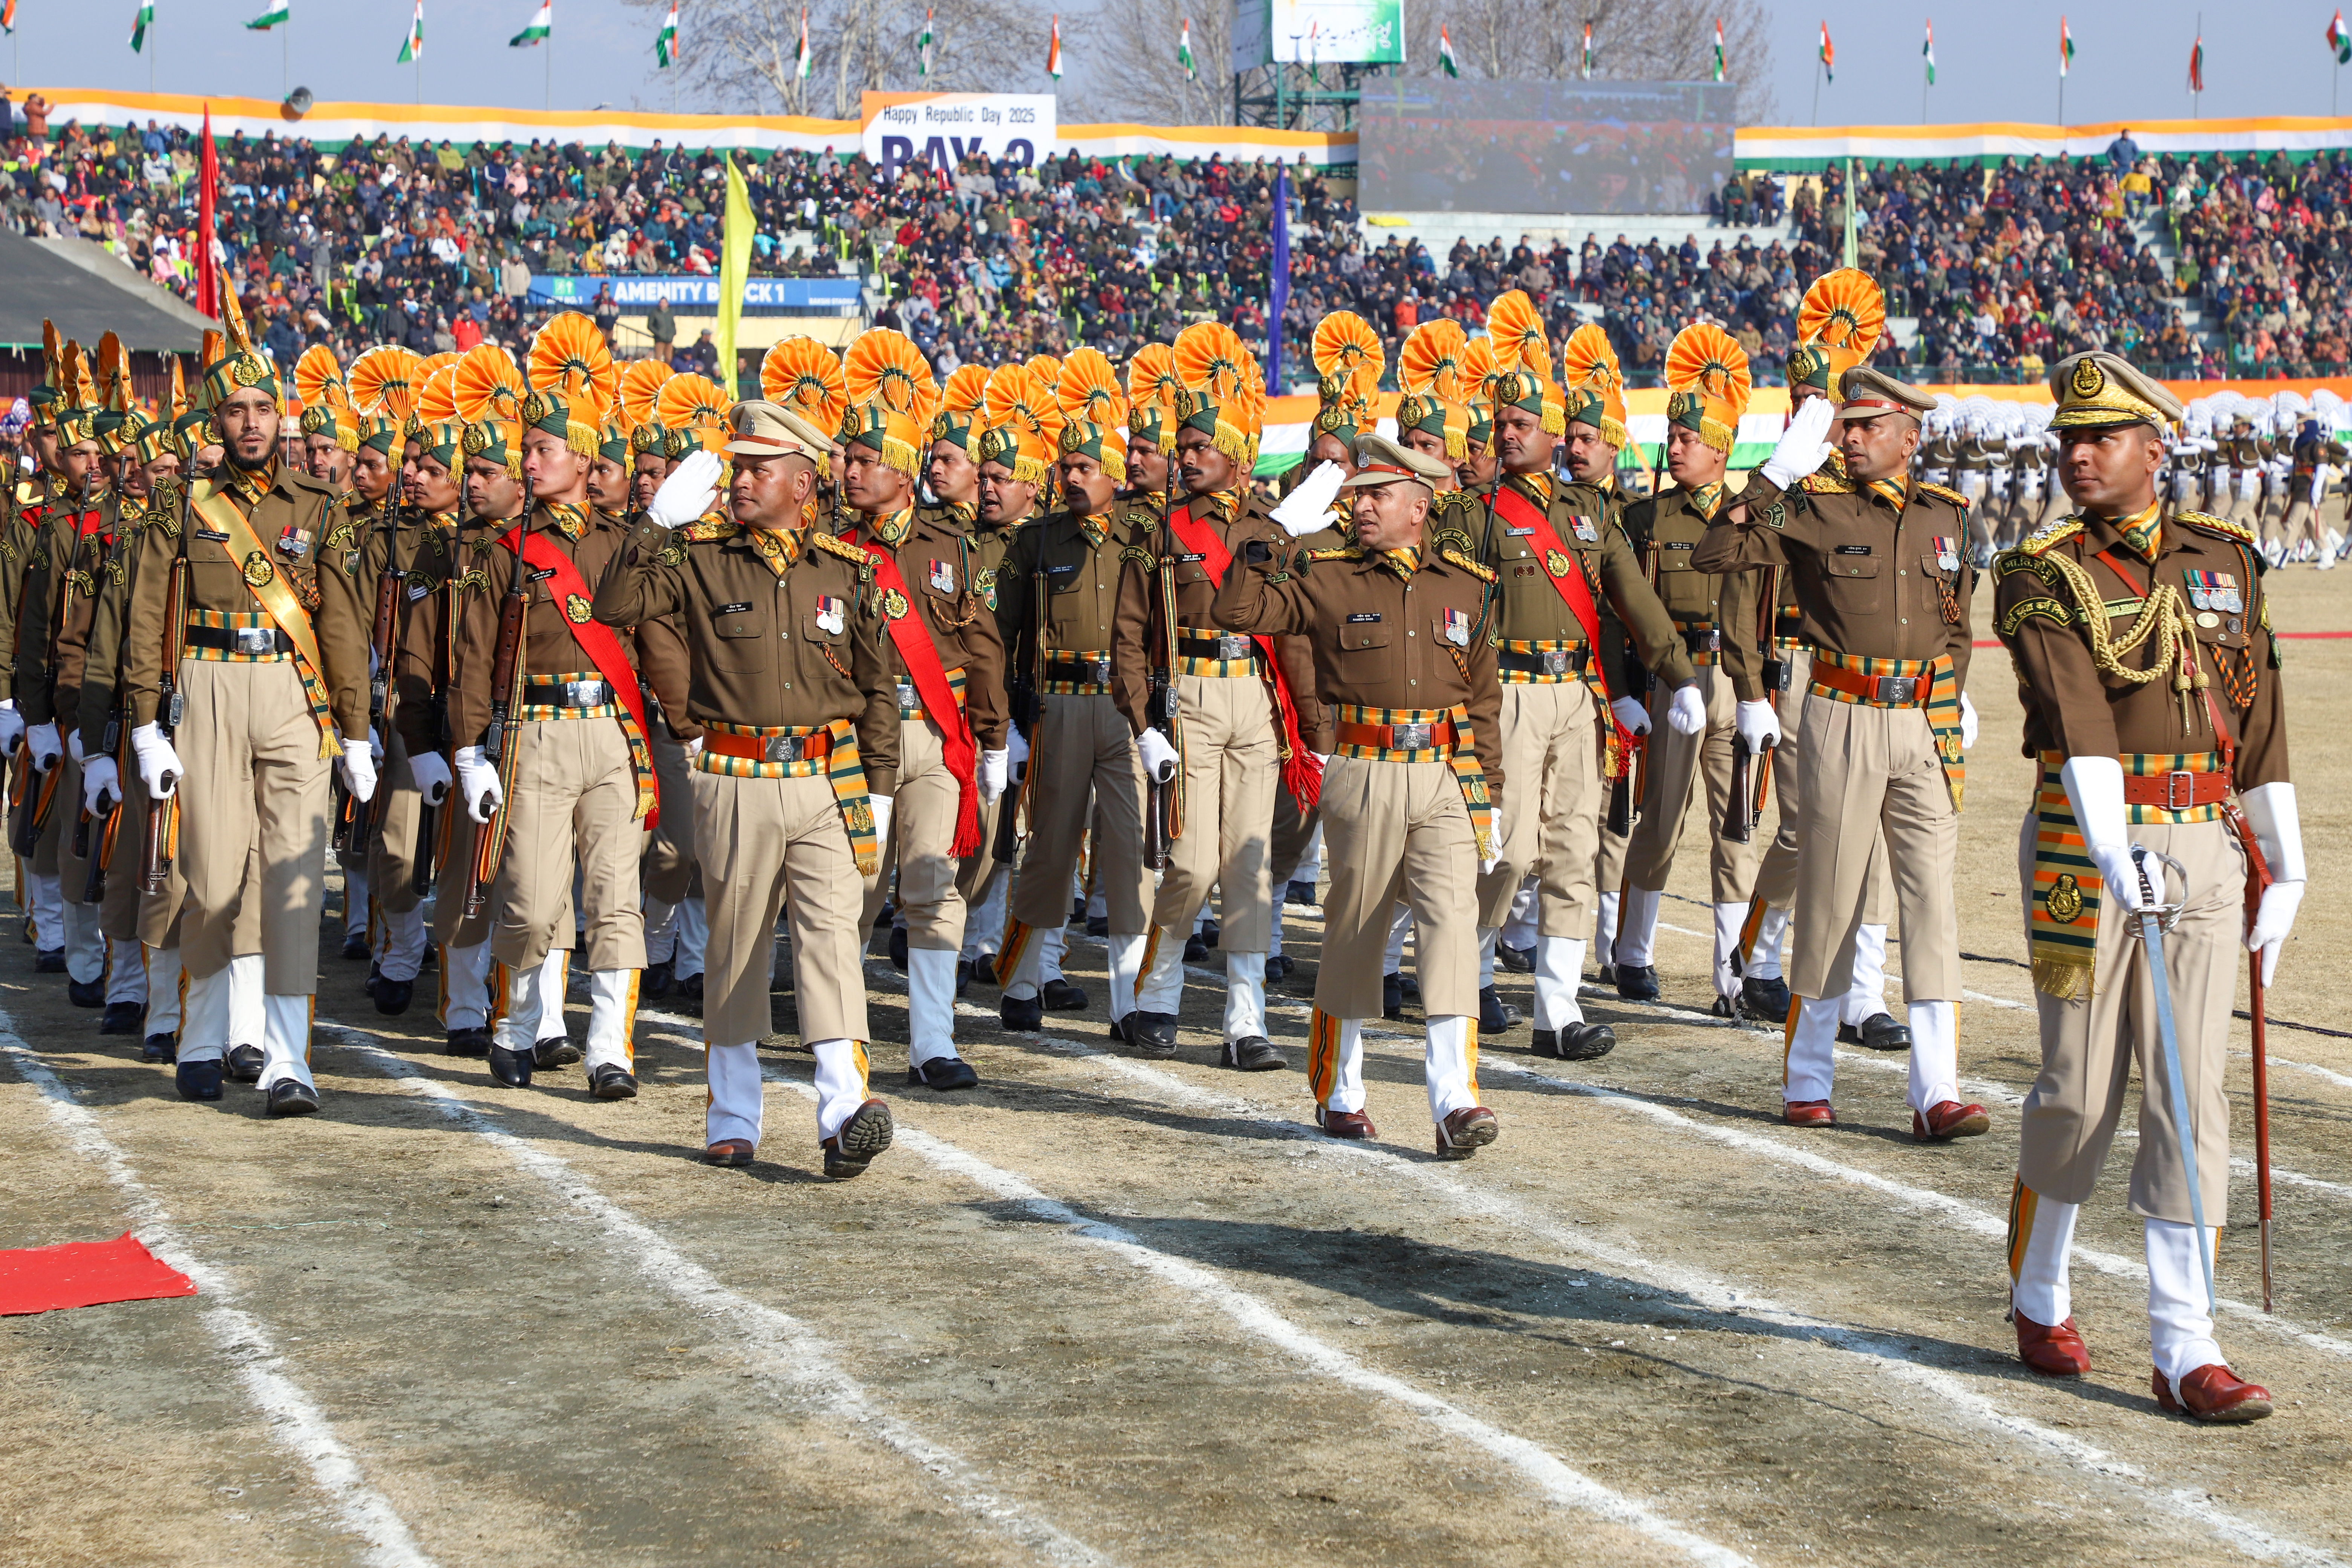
(207, 192)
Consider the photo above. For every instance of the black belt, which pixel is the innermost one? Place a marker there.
(568, 693)
(1706, 639)
(1550, 661)
(252, 640)
(1214, 645)
(1084, 672)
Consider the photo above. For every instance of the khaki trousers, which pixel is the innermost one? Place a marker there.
(391, 854)
(1286, 844)
(1677, 764)
(669, 863)
(1551, 803)
(1870, 770)
(973, 871)
(767, 844)
(1082, 744)
(1775, 875)
(1397, 830)
(118, 912)
(2090, 1046)
(575, 798)
(251, 750)
(458, 833)
(1233, 771)
(922, 838)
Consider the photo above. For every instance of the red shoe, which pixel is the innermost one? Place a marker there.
(1948, 1119)
(1808, 1113)
(2214, 1393)
(2057, 1352)
(1463, 1133)
(728, 1154)
(1352, 1125)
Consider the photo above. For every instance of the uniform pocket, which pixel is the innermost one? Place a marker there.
(739, 643)
(1365, 655)
(1851, 583)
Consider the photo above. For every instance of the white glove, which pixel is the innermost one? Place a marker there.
(43, 738)
(1758, 726)
(693, 748)
(159, 764)
(1631, 715)
(12, 725)
(993, 771)
(102, 786)
(2270, 813)
(1686, 714)
(1307, 509)
(73, 744)
(1493, 839)
(1158, 757)
(881, 806)
(1016, 747)
(2095, 786)
(358, 766)
(1967, 722)
(1803, 446)
(689, 491)
(431, 774)
(479, 780)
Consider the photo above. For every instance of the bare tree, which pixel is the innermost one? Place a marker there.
(1140, 80)
(744, 54)
(1651, 40)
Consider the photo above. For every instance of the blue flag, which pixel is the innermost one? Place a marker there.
(1278, 285)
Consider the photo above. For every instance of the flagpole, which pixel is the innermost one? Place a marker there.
(1817, 88)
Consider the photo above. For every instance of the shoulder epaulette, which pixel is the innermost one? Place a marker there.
(1338, 552)
(1485, 574)
(1940, 491)
(2206, 522)
(302, 481)
(1830, 485)
(2042, 541)
(849, 552)
(711, 528)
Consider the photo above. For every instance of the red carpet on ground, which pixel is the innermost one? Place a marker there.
(85, 1274)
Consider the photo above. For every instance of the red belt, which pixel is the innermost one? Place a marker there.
(781, 746)
(1387, 737)
(1883, 690)
(2176, 790)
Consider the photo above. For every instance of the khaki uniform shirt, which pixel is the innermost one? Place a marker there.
(2076, 709)
(1871, 577)
(548, 644)
(449, 563)
(797, 648)
(101, 674)
(934, 557)
(215, 582)
(60, 592)
(1663, 531)
(1068, 566)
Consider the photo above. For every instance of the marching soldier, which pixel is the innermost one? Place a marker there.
(2173, 743)
(1708, 375)
(948, 657)
(1568, 585)
(1877, 563)
(676, 928)
(798, 703)
(1056, 602)
(1232, 734)
(1400, 651)
(246, 675)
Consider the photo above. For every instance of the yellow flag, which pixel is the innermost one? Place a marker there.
(734, 270)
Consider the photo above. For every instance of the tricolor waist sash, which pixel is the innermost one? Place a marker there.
(1422, 735)
(1926, 683)
(799, 752)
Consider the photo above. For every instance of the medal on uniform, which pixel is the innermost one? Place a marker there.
(1585, 530)
(943, 576)
(294, 542)
(2214, 591)
(830, 615)
(1457, 627)
(1556, 562)
(1947, 554)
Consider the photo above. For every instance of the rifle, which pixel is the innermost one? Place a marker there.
(163, 840)
(506, 714)
(1745, 808)
(31, 821)
(1160, 813)
(380, 635)
(1027, 707)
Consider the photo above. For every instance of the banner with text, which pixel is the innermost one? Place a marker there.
(942, 129)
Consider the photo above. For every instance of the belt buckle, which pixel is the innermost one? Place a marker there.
(255, 639)
(1230, 647)
(584, 693)
(1898, 688)
(2179, 790)
(1101, 671)
(906, 697)
(1413, 737)
(1555, 660)
(786, 748)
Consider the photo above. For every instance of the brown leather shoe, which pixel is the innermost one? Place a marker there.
(865, 1134)
(2057, 1352)
(1948, 1119)
(1465, 1131)
(728, 1154)
(2213, 1393)
(1352, 1125)
(1808, 1113)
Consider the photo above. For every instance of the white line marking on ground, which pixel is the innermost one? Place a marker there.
(295, 1420)
(1556, 1480)
(780, 1344)
(2330, 1073)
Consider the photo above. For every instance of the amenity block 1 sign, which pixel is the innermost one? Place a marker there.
(942, 129)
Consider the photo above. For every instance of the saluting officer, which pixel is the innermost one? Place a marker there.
(798, 759)
(1409, 796)
(2151, 676)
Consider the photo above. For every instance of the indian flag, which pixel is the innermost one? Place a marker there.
(139, 25)
(1829, 53)
(665, 41)
(1718, 47)
(802, 58)
(1445, 51)
(1053, 51)
(2066, 47)
(923, 47)
(1185, 52)
(8, 16)
(535, 32)
(2338, 40)
(1586, 67)
(413, 47)
(269, 18)
(1927, 52)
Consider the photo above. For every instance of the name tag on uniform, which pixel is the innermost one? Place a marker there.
(1671, 545)
(943, 576)
(1583, 529)
(1458, 628)
(1196, 555)
(1853, 550)
(213, 534)
(543, 574)
(831, 613)
(732, 610)
(2215, 591)
(1519, 532)
(1947, 553)
(1364, 618)
(1061, 571)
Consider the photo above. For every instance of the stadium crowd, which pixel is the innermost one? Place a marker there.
(2199, 266)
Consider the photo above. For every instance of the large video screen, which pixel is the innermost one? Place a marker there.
(1443, 145)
